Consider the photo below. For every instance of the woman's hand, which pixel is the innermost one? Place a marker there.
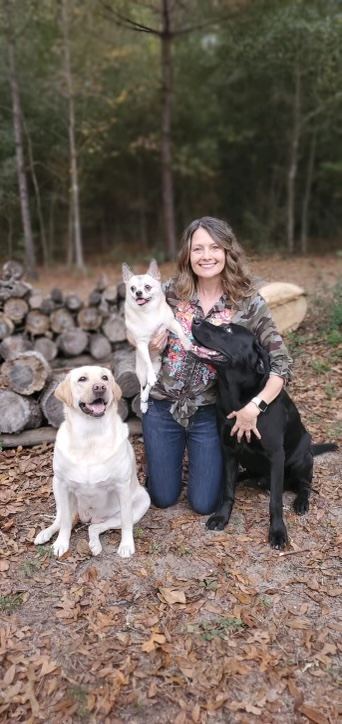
(245, 422)
(159, 340)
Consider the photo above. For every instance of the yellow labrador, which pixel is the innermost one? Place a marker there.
(94, 464)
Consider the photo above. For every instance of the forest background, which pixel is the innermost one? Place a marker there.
(123, 121)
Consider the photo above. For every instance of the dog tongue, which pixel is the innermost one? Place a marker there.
(96, 408)
(141, 301)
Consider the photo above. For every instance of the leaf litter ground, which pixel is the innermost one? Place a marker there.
(198, 626)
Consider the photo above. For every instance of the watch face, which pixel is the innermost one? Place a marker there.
(263, 406)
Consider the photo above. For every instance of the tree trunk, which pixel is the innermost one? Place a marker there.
(73, 152)
(307, 193)
(30, 257)
(293, 164)
(166, 154)
(43, 238)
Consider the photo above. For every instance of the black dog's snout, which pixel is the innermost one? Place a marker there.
(98, 388)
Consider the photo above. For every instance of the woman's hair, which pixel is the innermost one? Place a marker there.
(236, 278)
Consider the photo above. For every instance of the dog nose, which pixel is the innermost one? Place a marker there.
(99, 387)
(139, 293)
(196, 322)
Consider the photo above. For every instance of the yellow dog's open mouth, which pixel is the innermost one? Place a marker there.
(97, 408)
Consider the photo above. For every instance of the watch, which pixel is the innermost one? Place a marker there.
(261, 404)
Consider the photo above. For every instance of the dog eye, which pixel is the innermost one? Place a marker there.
(105, 377)
(229, 330)
(82, 379)
(148, 288)
(133, 289)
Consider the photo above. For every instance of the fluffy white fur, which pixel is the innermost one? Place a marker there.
(94, 464)
(146, 310)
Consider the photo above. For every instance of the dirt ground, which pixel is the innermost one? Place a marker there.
(198, 626)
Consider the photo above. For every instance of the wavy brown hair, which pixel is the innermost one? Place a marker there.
(236, 278)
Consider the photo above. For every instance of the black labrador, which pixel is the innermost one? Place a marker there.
(283, 457)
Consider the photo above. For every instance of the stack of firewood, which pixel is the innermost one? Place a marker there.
(42, 337)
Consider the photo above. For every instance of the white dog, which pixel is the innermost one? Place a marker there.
(146, 309)
(94, 464)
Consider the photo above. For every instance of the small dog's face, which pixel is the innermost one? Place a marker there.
(90, 389)
(142, 288)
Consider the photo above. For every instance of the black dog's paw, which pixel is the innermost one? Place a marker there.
(278, 537)
(301, 504)
(216, 522)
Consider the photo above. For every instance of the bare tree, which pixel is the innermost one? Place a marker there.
(30, 256)
(75, 204)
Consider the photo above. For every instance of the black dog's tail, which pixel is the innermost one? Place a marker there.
(323, 447)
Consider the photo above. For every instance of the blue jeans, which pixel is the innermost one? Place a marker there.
(165, 442)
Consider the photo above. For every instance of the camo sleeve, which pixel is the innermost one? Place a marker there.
(258, 318)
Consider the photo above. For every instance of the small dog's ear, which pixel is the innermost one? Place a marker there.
(153, 270)
(116, 391)
(126, 272)
(63, 392)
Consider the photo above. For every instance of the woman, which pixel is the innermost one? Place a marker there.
(213, 283)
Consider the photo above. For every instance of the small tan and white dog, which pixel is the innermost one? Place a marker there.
(94, 464)
(146, 310)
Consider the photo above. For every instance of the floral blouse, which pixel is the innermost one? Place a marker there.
(188, 382)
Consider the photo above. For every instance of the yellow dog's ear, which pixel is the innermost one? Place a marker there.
(63, 392)
(116, 391)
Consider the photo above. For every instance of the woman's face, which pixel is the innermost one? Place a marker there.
(207, 258)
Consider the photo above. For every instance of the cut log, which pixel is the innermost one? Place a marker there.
(110, 294)
(121, 287)
(12, 270)
(125, 375)
(48, 305)
(72, 342)
(27, 373)
(56, 295)
(61, 320)
(5, 292)
(94, 298)
(287, 303)
(89, 319)
(36, 323)
(20, 289)
(100, 346)
(47, 347)
(14, 345)
(123, 409)
(47, 434)
(16, 309)
(73, 302)
(35, 299)
(6, 326)
(114, 328)
(135, 406)
(52, 408)
(18, 412)
(61, 363)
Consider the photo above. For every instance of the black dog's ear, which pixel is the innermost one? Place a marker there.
(260, 366)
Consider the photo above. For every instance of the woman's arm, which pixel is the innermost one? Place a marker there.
(246, 418)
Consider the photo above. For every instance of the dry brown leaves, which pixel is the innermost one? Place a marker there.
(198, 626)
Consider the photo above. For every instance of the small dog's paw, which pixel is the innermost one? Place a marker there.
(144, 393)
(216, 522)
(126, 550)
(59, 547)
(278, 537)
(186, 343)
(95, 547)
(143, 407)
(151, 379)
(301, 504)
(42, 537)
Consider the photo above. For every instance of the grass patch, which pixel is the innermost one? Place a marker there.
(10, 603)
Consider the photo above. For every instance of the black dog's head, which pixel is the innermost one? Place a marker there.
(237, 347)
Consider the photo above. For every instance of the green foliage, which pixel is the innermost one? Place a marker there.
(10, 603)
(232, 105)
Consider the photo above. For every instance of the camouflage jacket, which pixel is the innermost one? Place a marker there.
(190, 383)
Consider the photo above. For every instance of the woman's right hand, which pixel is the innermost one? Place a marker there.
(159, 340)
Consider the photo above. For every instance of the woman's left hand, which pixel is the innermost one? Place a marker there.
(246, 422)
